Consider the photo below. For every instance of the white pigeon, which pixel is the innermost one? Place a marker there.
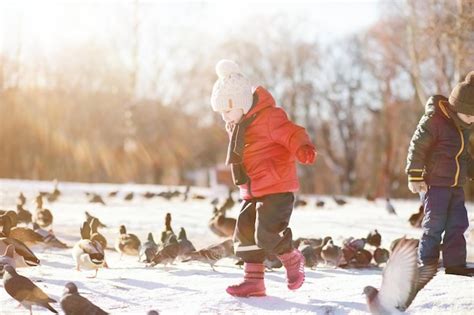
(402, 280)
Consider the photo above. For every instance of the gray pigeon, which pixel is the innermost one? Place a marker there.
(401, 281)
(213, 253)
(332, 254)
(73, 303)
(311, 256)
(389, 207)
(168, 253)
(7, 258)
(148, 249)
(185, 245)
(25, 291)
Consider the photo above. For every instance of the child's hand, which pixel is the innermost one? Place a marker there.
(417, 187)
(306, 154)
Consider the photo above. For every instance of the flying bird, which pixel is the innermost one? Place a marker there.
(402, 279)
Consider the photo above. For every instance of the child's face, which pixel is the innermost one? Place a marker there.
(468, 119)
(232, 115)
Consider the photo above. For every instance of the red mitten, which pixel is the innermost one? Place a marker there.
(306, 154)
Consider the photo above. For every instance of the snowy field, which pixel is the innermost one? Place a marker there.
(194, 288)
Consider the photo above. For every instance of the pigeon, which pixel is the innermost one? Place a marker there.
(213, 223)
(89, 218)
(416, 218)
(374, 238)
(370, 197)
(12, 215)
(362, 258)
(199, 197)
(148, 195)
(168, 231)
(396, 241)
(320, 203)
(168, 253)
(96, 198)
(228, 203)
(215, 201)
(39, 201)
(152, 312)
(402, 279)
(185, 245)
(21, 199)
(129, 196)
(186, 193)
(24, 216)
(55, 194)
(73, 303)
(350, 246)
(127, 243)
(7, 258)
(49, 239)
(213, 253)
(299, 202)
(95, 235)
(339, 201)
(331, 254)
(307, 241)
(25, 291)
(311, 256)
(88, 254)
(23, 256)
(148, 249)
(22, 234)
(113, 193)
(389, 207)
(225, 225)
(381, 255)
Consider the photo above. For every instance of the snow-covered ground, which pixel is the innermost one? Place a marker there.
(193, 288)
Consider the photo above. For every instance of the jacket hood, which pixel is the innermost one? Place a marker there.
(437, 105)
(262, 100)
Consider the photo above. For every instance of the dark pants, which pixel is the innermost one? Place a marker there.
(262, 227)
(444, 212)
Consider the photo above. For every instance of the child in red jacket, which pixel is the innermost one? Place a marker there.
(262, 151)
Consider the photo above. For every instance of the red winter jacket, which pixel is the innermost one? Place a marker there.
(271, 141)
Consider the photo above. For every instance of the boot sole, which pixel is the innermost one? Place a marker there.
(253, 294)
(296, 286)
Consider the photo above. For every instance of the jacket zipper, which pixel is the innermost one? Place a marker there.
(456, 177)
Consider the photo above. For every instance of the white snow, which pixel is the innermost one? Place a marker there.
(193, 288)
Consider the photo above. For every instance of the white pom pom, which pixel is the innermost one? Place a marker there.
(226, 67)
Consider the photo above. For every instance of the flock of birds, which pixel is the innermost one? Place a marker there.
(22, 229)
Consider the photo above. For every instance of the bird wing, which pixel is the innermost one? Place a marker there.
(399, 276)
(22, 288)
(425, 274)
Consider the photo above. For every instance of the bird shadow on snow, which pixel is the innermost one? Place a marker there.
(273, 303)
(148, 285)
(346, 305)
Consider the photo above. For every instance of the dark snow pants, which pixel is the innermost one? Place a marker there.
(444, 212)
(262, 227)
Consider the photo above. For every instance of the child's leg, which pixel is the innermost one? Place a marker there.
(253, 256)
(273, 216)
(244, 237)
(454, 243)
(437, 200)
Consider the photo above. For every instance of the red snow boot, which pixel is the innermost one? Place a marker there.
(294, 264)
(253, 284)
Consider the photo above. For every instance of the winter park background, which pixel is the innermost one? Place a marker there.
(114, 96)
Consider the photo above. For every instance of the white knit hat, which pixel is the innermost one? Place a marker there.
(232, 89)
